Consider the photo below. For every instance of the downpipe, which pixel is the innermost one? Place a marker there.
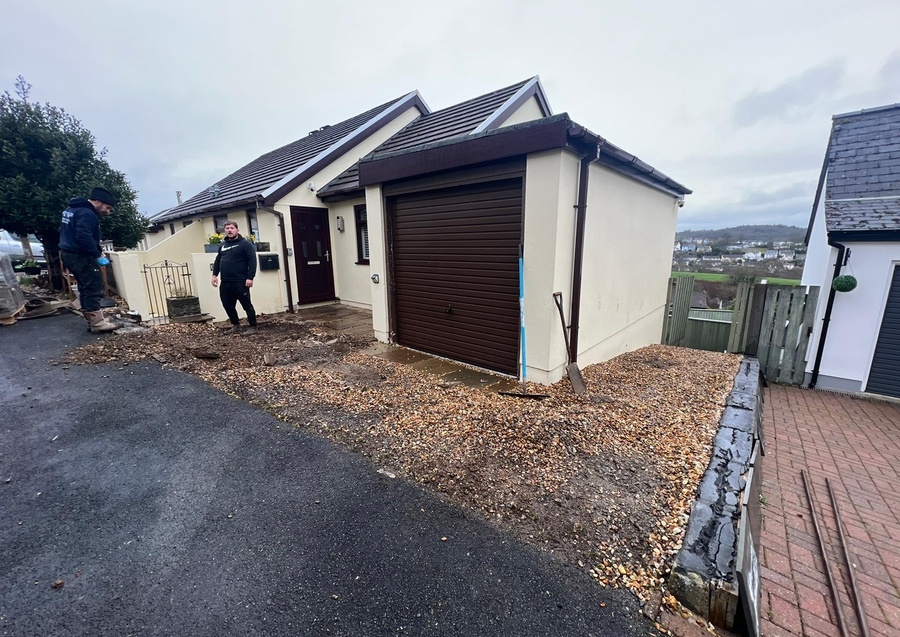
(578, 260)
(842, 256)
(284, 253)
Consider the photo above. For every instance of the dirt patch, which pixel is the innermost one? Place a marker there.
(604, 480)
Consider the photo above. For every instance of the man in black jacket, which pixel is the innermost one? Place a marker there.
(79, 244)
(236, 261)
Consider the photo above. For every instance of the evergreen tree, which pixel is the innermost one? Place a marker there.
(47, 157)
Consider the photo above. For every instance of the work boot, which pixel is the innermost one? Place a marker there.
(234, 329)
(97, 322)
(250, 331)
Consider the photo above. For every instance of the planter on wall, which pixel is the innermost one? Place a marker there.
(211, 247)
(180, 306)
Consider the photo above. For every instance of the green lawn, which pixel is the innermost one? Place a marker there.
(723, 278)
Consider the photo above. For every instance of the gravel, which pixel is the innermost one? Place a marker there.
(603, 481)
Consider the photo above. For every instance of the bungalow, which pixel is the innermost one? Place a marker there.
(444, 221)
(854, 230)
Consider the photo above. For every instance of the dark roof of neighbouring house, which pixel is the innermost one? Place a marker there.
(482, 113)
(276, 173)
(861, 173)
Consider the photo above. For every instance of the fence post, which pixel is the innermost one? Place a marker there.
(737, 336)
(809, 317)
(667, 317)
(754, 320)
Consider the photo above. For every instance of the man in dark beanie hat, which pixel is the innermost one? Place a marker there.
(79, 245)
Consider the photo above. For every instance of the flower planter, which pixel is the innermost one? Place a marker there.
(211, 247)
(179, 306)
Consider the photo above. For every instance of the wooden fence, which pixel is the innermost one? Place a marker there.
(771, 322)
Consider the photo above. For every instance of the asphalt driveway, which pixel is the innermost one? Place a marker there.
(137, 500)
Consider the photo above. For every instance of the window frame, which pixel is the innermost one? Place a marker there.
(361, 224)
(216, 227)
(252, 223)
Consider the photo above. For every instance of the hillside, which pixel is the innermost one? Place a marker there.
(767, 233)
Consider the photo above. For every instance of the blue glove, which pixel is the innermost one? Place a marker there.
(103, 261)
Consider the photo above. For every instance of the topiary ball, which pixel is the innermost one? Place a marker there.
(844, 283)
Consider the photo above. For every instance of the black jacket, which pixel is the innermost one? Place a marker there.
(80, 229)
(236, 260)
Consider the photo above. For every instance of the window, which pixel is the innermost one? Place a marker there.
(219, 222)
(171, 228)
(253, 224)
(362, 235)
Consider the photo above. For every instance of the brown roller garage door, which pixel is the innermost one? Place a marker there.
(455, 272)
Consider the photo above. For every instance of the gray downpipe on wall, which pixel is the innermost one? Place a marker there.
(838, 264)
(284, 253)
(578, 261)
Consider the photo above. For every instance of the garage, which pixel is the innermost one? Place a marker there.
(454, 261)
(884, 377)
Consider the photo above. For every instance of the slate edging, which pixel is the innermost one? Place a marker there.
(703, 577)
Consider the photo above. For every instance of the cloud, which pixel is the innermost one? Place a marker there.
(789, 204)
(791, 98)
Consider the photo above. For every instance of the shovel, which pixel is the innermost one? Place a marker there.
(572, 370)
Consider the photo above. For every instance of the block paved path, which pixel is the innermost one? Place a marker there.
(855, 443)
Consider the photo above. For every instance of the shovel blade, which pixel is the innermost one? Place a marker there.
(576, 379)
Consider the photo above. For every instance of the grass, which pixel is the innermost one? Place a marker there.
(723, 278)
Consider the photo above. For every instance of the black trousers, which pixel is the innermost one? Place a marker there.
(231, 292)
(86, 271)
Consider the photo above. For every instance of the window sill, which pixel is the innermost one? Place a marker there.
(363, 262)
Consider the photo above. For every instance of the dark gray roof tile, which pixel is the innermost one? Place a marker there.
(863, 214)
(862, 186)
(448, 123)
(249, 181)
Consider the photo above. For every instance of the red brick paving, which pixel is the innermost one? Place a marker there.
(855, 443)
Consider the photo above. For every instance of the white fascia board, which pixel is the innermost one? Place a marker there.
(532, 86)
(352, 139)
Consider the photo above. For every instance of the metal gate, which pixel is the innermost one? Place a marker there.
(163, 280)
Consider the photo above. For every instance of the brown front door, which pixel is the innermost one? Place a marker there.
(312, 253)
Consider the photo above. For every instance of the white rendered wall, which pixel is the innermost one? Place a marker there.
(856, 316)
(527, 112)
(349, 278)
(627, 263)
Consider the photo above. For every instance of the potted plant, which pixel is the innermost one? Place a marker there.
(213, 241)
(180, 303)
(30, 266)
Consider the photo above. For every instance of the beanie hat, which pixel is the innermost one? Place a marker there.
(103, 196)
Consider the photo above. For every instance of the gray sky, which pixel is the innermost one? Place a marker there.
(732, 99)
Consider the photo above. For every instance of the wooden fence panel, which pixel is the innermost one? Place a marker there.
(795, 298)
(707, 334)
(809, 317)
(681, 307)
(737, 337)
(784, 334)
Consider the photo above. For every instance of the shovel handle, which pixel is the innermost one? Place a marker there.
(557, 297)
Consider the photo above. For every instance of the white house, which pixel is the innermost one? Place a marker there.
(437, 220)
(854, 230)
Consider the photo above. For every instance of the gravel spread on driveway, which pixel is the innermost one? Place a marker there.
(604, 481)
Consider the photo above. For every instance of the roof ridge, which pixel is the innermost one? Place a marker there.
(866, 111)
(483, 96)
